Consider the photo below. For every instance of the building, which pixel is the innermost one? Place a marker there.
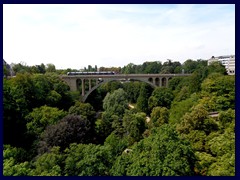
(228, 61)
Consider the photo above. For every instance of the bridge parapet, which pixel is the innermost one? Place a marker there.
(90, 82)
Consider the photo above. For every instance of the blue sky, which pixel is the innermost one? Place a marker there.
(74, 36)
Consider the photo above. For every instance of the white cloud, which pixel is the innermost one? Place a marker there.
(114, 35)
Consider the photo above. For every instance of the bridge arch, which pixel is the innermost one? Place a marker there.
(84, 98)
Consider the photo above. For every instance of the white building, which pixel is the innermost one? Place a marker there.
(228, 61)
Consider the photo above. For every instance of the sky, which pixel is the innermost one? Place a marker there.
(114, 35)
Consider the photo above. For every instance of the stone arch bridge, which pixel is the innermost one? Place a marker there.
(89, 83)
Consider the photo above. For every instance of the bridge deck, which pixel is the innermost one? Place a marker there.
(124, 75)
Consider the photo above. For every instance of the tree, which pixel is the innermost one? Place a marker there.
(34, 70)
(191, 83)
(71, 129)
(50, 90)
(219, 84)
(221, 146)
(161, 96)
(178, 70)
(132, 89)
(87, 160)
(217, 67)
(112, 86)
(116, 144)
(197, 139)
(189, 66)
(50, 68)
(218, 92)
(14, 163)
(18, 154)
(41, 68)
(171, 67)
(134, 125)
(115, 69)
(116, 103)
(159, 116)
(104, 127)
(197, 119)
(174, 82)
(142, 100)
(163, 153)
(85, 110)
(226, 118)
(49, 164)
(178, 109)
(129, 69)
(223, 143)
(62, 89)
(21, 68)
(18, 95)
(11, 168)
(218, 156)
(183, 94)
(204, 160)
(117, 126)
(225, 166)
(42, 117)
(151, 67)
(23, 91)
(194, 82)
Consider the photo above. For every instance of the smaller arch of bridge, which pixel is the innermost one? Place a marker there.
(150, 79)
(157, 81)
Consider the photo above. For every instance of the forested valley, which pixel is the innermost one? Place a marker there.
(123, 129)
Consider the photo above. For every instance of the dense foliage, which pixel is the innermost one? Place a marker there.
(163, 153)
(124, 129)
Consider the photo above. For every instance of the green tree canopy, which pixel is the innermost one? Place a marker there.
(85, 110)
(219, 84)
(87, 160)
(48, 164)
(197, 119)
(218, 92)
(107, 124)
(116, 103)
(142, 100)
(189, 66)
(41, 117)
(159, 116)
(50, 68)
(13, 162)
(178, 109)
(116, 144)
(161, 96)
(163, 153)
(216, 67)
(134, 124)
(71, 129)
(132, 89)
